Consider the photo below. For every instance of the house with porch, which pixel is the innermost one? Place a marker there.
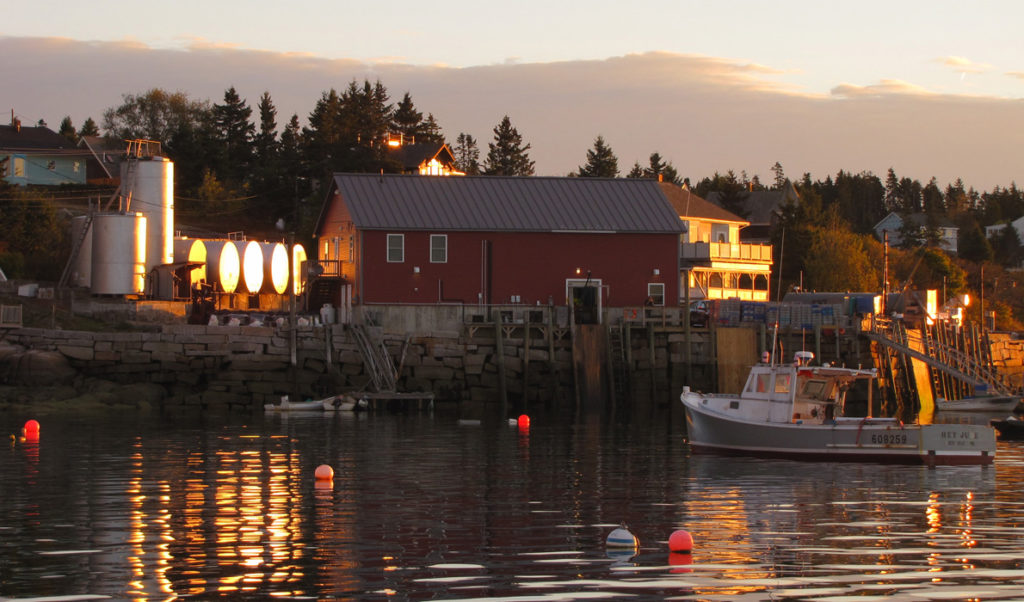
(897, 224)
(714, 263)
(425, 159)
(37, 155)
(582, 242)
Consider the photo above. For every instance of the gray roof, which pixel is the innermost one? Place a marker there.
(500, 203)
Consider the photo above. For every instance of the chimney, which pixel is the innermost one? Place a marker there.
(15, 122)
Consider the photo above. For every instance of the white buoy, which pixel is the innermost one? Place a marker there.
(622, 538)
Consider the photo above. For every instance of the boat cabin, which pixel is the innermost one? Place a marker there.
(799, 393)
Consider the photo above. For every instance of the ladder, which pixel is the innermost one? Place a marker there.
(617, 359)
(378, 362)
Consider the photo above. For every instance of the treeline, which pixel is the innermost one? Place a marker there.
(235, 161)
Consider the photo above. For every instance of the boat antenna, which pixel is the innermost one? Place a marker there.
(778, 296)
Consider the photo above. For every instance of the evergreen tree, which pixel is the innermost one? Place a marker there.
(780, 176)
(1007, 247)
(407, 120)
(931, 199)
(892, 191)
(636, 171)
(89, 128)
(235, 133)
(430, 131)
(266, 172)
(467, 155)
(507, 155)
(732, 193)
(67, 129)
(973, 246)
(601, 161)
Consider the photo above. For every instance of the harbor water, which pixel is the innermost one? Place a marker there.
(153, 506)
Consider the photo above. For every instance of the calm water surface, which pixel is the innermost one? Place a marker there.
(144, 507)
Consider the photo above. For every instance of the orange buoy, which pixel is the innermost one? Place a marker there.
(324, 473)
(680, 541)
(524, 421)
(31, 428)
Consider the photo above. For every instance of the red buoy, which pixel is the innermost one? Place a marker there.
(524, 421)
(31, 428)
(680, 541)
(324, 473)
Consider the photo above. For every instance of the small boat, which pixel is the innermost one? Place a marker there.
(979, 403)
(287, 405)
(799, 411)
(1011, 428)
(343, 403)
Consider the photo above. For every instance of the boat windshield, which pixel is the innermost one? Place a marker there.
(782, 383)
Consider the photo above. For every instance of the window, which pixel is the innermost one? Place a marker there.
(52, 166)
(19, 167)
(438, 248)
(656, 293)
(396, 248)
(76, 166)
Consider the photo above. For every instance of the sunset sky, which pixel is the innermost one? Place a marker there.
(928, 88)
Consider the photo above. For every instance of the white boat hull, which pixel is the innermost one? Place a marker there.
(979, 404)
(845, 439)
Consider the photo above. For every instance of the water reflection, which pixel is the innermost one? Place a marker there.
(422, 507)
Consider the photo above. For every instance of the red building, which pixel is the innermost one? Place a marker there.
(592, 242)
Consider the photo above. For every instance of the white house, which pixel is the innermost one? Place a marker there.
(894, 222)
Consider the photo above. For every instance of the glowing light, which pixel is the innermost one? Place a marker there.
(252, 267)
(223, 264)
(298, 258)
(275, 268)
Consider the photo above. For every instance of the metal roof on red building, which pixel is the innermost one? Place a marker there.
(504, 203)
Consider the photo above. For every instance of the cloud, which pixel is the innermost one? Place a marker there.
(964, 65)
(702, 113)
(1016, 74)
(886, 87)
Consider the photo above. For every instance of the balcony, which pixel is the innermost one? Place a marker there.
(726, 251)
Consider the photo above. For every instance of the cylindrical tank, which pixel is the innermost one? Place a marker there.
(81, 269)
(298, 268)
(153, 196)
(118, 254)
(191, 250)
(275, 268)
(252, 266)
(223, 264)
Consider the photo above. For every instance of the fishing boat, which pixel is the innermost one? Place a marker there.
(1011, 428)
(979, 403)
(799, 411)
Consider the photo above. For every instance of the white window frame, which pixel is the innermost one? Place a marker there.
(652, 287)
(442, 250)
(399, 248)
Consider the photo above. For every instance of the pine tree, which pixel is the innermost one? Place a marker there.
(407, 119)
(67, 129)
(235, 134)
(636, 171)
(507, 155)
(780, 176)
(430, 131)
(467, 155)
(89, 128)
(601, 161)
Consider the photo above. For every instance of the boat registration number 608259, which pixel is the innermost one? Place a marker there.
(889, 438)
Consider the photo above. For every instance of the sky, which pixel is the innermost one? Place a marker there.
(927, 88)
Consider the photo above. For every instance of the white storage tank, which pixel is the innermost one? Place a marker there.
(299, 268)
(153, 196)
(81, 269)
(275, 268)
(223, 264)
(191, 250)
(118, 254)
(252, 266)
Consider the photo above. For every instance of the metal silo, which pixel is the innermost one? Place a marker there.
(152, 194)
(81, 269)
(191, 250)
(275, 268)
(118, 254)
(223, 264)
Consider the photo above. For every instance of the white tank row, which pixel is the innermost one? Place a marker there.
(112, 260)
